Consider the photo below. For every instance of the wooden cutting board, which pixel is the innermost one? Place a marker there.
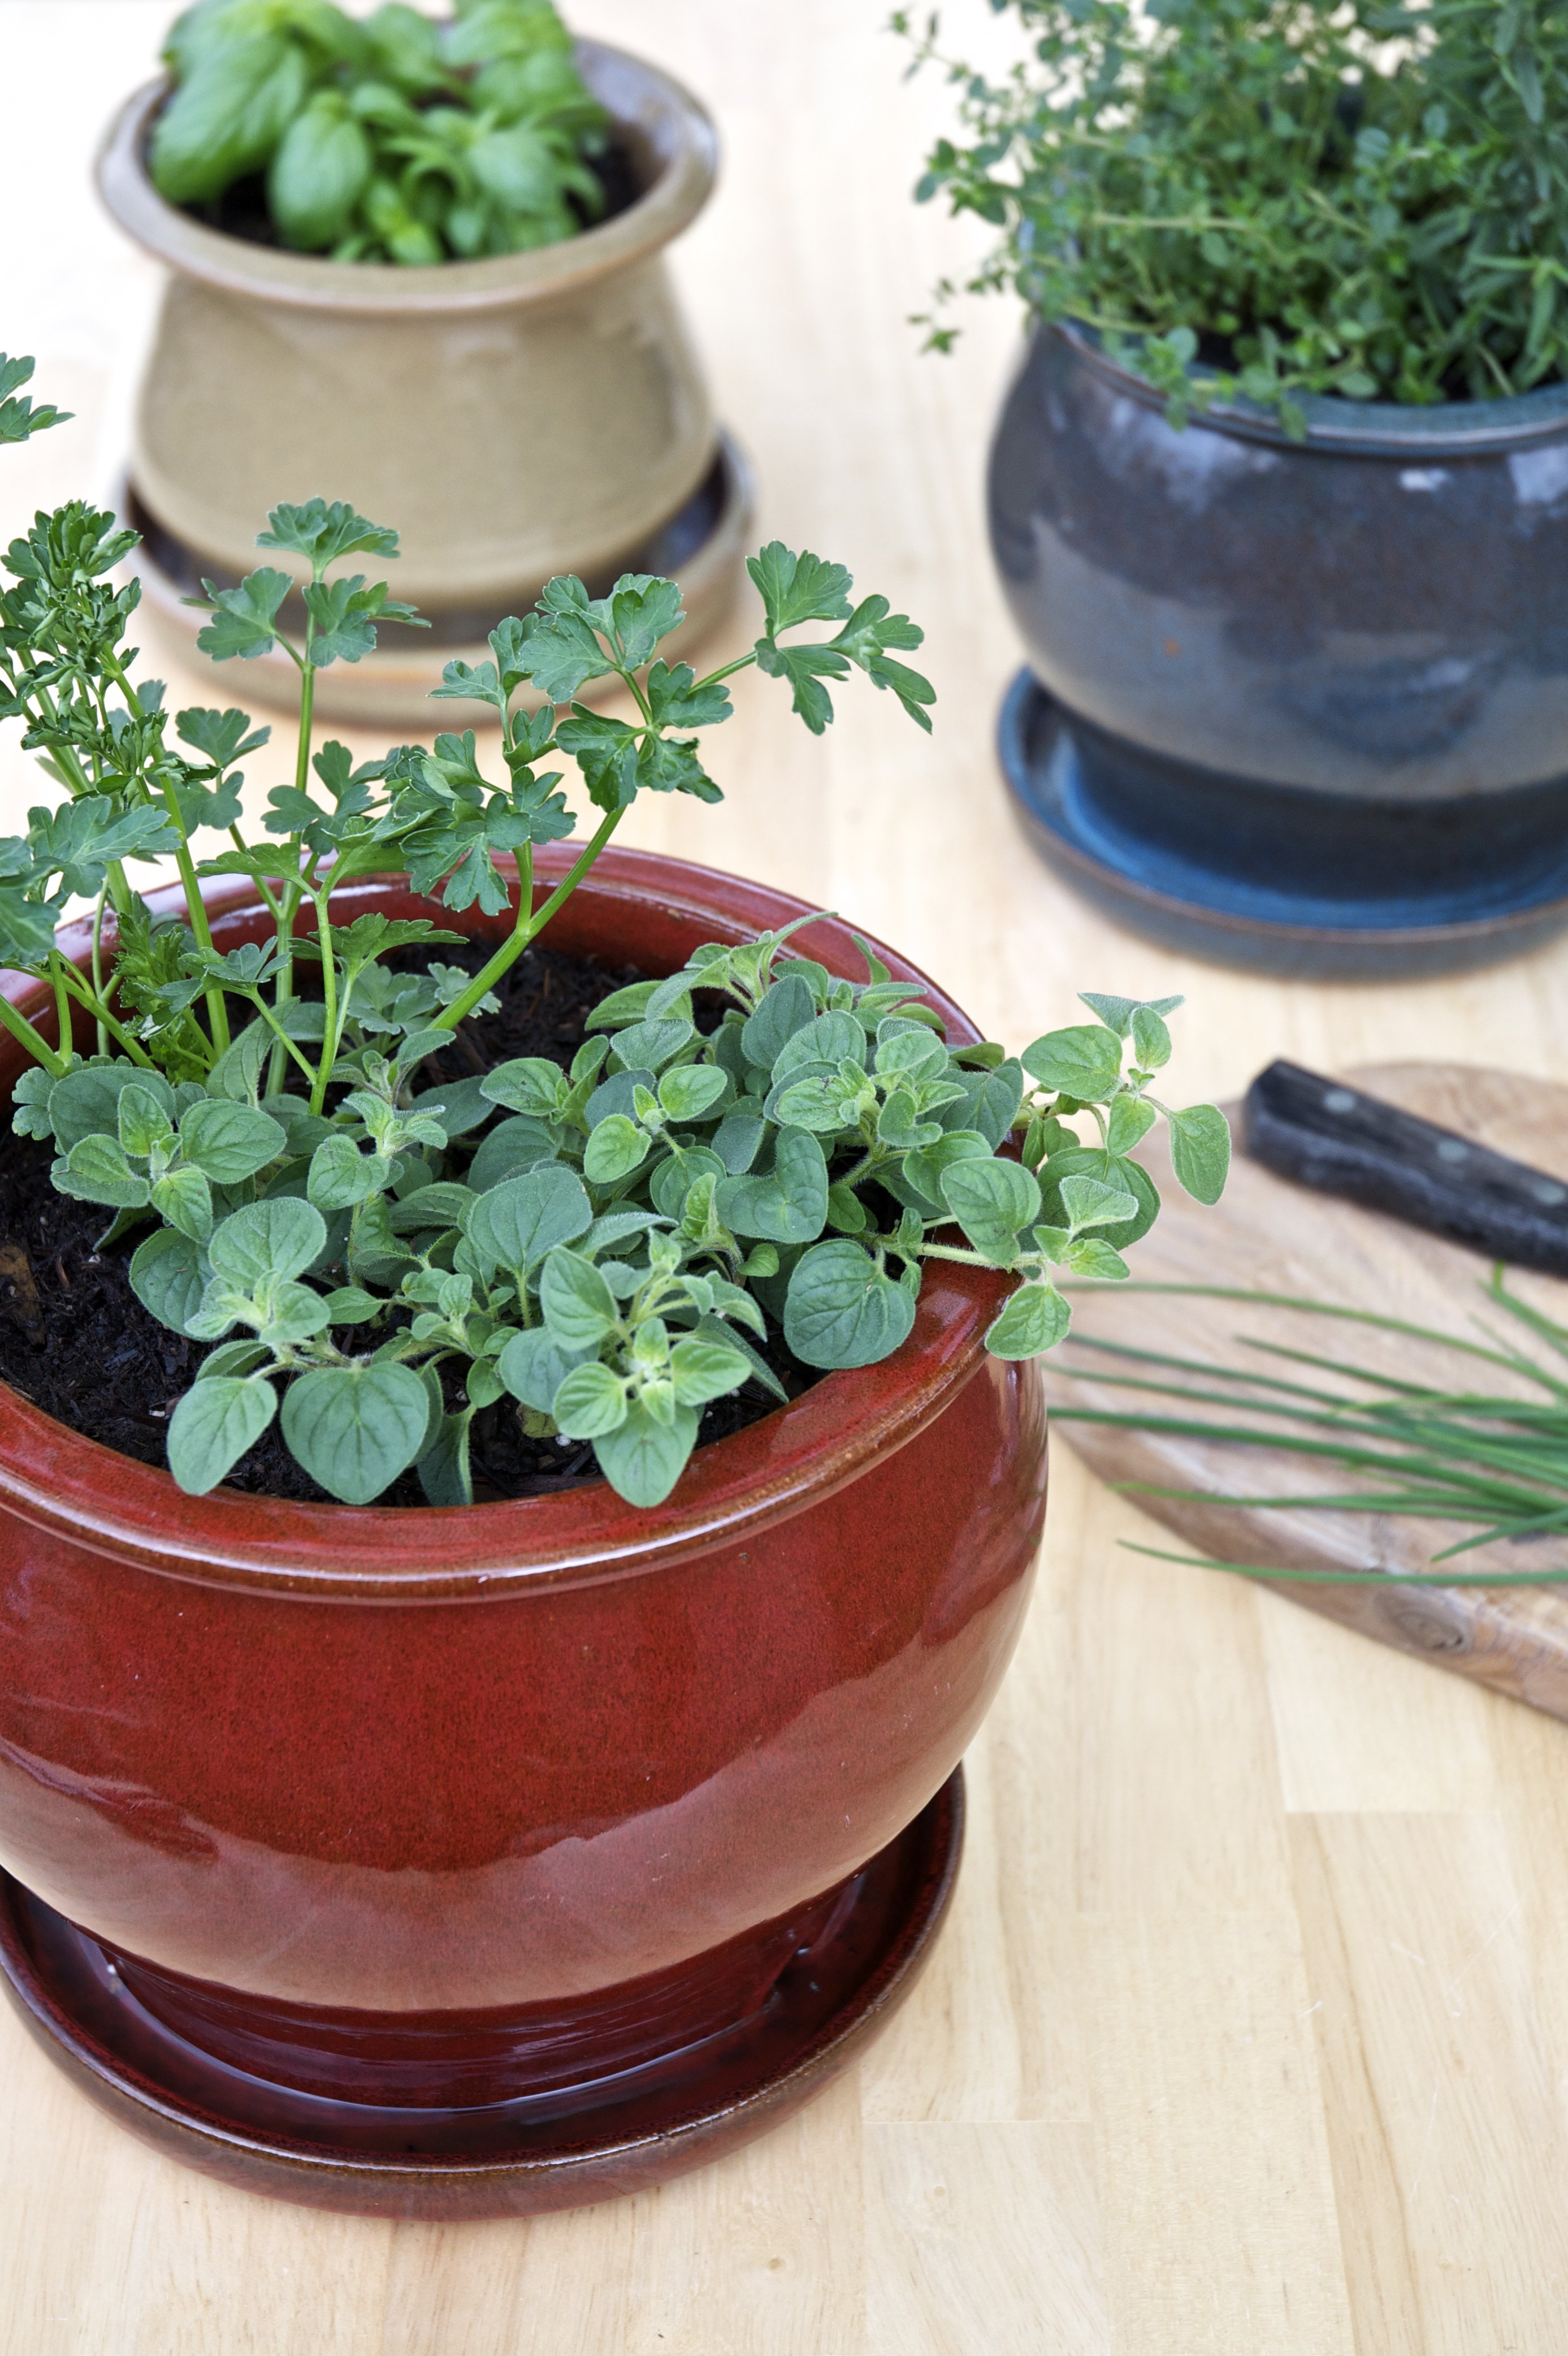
(1269, 1234)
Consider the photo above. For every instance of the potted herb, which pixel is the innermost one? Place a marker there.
(1278, 494)
(425, 261)
(459, 1789)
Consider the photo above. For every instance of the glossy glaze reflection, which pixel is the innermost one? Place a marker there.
(584, 2141)
(1380, 616)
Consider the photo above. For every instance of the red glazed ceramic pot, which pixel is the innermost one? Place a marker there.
(465, 1862)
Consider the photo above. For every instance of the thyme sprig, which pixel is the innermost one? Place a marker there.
(1368, 197)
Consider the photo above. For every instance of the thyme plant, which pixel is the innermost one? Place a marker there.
(386, 138)
(1367, 198)
(381, 1258)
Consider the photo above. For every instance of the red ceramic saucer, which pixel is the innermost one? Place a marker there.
(511, 2159)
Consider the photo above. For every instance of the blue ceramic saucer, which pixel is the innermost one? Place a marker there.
(1192, 859)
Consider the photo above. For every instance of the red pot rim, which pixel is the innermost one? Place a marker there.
(63, 1482)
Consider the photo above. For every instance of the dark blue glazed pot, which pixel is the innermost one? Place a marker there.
(1302, 706)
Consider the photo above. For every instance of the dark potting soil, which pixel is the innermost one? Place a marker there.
(241, 210)
(76, 1341)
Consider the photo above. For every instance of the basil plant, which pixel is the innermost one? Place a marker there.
(389, 137)
(748, 1145)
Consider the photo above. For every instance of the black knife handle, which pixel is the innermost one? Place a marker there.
(1323, 1134)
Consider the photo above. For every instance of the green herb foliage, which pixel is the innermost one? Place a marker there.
(1494, 1460)
(386, 138)
(378, 1260)
(1368, 197)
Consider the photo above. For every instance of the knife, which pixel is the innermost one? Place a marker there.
(1344, 1142)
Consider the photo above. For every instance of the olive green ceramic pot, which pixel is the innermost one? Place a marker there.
(513, 418)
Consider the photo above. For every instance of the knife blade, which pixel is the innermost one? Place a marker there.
(1343, 1141)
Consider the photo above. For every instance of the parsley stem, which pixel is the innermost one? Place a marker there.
(260, 882)
(62, 1004)
(334, 1021)
(293, 892)
(528, 924)
(98, 962)
(728, 671)
(98, 1008)
(283, 1039)
(36, 1045)
(307, 706)
(216, 1012)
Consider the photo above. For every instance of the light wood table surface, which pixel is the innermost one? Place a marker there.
(1249, 2031)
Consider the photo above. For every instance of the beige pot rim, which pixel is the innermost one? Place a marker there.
(665, 117)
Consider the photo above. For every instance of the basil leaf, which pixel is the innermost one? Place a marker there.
(318, 175)
(226, 118)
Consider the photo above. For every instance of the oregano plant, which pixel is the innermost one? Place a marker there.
(751, 1148)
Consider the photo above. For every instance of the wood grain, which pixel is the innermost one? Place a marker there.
(1270, 1236)
(1170, 2088)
